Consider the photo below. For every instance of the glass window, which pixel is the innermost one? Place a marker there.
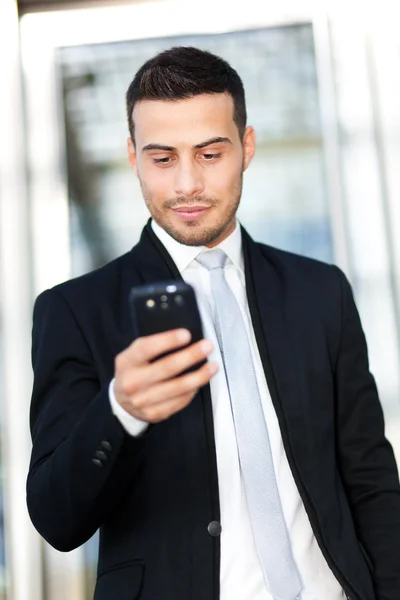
(284, 199)
(368, 153)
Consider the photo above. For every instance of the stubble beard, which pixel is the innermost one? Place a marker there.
(192, 233)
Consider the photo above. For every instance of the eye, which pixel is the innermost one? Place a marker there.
(210, 157)
(162, 161)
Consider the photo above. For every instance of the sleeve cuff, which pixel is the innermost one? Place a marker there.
(133, 426)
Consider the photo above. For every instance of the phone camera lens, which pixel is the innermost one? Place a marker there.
(164, 298)
(164, 305)
(179, 300)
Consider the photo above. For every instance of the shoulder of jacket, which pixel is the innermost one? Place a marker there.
(296, 262)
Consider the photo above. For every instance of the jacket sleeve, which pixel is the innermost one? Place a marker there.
(82, 459)
(366, 458)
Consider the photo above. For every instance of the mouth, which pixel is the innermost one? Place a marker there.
(190, 213)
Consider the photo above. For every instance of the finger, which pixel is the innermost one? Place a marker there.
(136, 379)
(163, 410)
(146, 348)
(166, 391)
(173, 365)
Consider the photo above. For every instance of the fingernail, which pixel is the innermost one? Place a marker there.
(206, 346)
(213, 367)
(183, 335)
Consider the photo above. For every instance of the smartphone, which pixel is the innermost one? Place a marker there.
(164, 306)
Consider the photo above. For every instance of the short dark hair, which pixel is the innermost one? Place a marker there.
(184, 72)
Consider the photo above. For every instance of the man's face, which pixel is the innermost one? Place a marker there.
(190, 161)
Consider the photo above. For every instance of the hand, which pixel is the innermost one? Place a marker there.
(153, 391)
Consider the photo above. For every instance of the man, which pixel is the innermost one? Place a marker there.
(263, 474)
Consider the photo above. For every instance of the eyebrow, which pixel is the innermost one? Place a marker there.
(214, 140)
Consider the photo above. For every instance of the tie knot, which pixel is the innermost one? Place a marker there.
(212, 259)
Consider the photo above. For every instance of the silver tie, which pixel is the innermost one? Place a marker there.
(266, 515)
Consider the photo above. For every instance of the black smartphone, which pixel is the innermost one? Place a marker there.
(164, 306)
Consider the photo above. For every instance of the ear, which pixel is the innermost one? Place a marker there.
(132, 155)
(249, 146)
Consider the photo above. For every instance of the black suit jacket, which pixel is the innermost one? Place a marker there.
(154, 496)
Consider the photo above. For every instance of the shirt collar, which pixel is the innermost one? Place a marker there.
(183, 255)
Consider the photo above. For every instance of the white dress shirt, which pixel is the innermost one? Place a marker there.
(241, 577)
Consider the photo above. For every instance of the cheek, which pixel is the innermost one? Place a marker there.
(226, 178)
(156, 182)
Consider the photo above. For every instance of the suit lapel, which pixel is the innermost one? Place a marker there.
(148, 262)
(274, 328)
(155, 264)
(152, 259)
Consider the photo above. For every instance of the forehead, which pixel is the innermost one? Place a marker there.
(191, 120)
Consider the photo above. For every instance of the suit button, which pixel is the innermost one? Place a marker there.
(214, 528)
(102, 455)
(106, 445)
(97, 462)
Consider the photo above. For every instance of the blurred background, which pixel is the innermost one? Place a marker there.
(323, 93)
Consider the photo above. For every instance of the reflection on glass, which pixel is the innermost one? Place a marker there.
(284, 199)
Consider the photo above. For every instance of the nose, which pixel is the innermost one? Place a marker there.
(188, 179)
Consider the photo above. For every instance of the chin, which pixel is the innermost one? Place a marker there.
(193, 234)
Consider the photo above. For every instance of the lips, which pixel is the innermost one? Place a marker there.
(189, 213)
